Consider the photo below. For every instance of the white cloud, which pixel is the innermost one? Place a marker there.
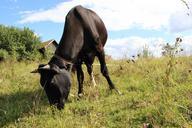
(171, 15)
(187, 45)
(120, 14)
(130, 46)
(180, 21)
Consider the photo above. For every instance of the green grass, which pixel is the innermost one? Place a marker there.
(147, 97)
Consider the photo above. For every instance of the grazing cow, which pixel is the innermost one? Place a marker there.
(56, 83)
(83, 39)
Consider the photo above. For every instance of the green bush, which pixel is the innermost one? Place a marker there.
(3, 54)
(19, 43)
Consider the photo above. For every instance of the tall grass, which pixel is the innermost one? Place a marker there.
(147, 97)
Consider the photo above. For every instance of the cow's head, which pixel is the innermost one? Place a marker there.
(56, 83)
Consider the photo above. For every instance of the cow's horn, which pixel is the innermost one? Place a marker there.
(45, 67)
(35, 71)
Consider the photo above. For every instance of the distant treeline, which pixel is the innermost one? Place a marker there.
(18, 43)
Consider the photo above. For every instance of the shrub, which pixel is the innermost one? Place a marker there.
(3, 54)
(19, 43)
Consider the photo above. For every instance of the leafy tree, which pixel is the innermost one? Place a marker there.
(19, 43)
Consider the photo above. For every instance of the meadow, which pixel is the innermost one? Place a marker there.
(156, 91)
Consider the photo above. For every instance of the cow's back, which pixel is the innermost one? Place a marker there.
(92, 24)
(83, 29)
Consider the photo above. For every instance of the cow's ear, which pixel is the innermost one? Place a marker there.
(55, 69)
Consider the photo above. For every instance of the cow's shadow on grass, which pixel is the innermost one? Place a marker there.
(19, 104)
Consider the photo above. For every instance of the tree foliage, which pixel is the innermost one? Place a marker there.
(3, 54)
(19, 43)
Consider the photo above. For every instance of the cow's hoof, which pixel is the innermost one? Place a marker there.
(118, 92)
(80, 95)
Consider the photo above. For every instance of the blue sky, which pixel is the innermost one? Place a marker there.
(11, 12)
(131, 24)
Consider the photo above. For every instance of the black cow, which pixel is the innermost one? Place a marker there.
(83, 39)
(56, 83)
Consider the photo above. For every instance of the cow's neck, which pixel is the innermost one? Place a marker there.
(65, 54)
(72, 39)
(70, 44)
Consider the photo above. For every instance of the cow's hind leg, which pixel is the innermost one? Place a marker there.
(90, 70)
(104, 71)
(80, 78)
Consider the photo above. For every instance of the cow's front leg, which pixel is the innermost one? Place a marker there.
(80, 78)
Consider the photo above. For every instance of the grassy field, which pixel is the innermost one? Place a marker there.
(155, 92)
